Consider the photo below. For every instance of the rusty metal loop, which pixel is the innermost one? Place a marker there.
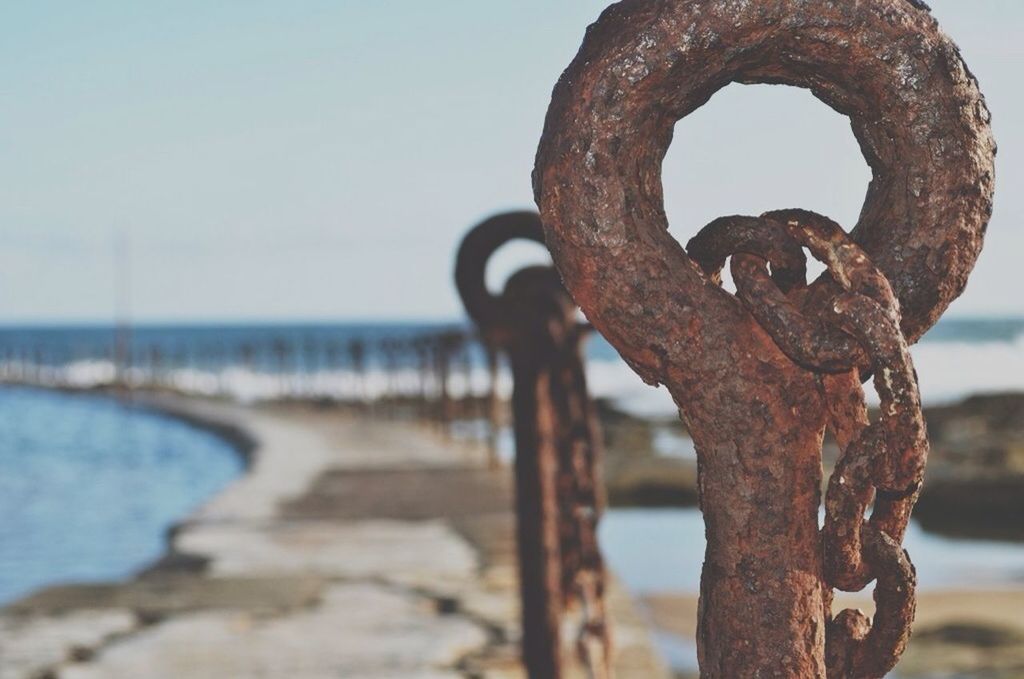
(915, 109)
(851, 490)
(791, 314)
(857, 648)
(486, 309)
(848, 265)
(536, 309)
(727, 236)
(798, 326)
(754, 242)
(900, 470)
(807, 340)
(923, 128)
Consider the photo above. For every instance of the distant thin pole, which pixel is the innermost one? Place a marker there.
(122, 306)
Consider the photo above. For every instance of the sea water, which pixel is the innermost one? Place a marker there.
(89, 487)
(662, 550)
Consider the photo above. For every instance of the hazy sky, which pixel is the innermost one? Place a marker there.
(320, 160)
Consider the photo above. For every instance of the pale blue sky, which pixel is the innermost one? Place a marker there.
(320, 160)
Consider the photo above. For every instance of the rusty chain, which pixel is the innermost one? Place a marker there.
(581, 503)
(881, 461)
(559, 492)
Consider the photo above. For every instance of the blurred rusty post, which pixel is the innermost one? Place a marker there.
(24, 370)
(180, 361)
(467, 410)
(246, 356)
(156, 373)
(37, 364)
(389, 351)
(219, 357)
(281, 351)
(310, 365)
(357, 359)
(557, 446)
(122, 354)
(8, 362)
(332, 361)
(421, 348)
(492, 405)
(332, 355)
(759, 375)
(448, 344)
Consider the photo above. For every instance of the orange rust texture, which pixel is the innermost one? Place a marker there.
(756, 415)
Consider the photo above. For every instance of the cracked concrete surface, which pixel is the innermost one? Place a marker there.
(358, 630)
(352, 548)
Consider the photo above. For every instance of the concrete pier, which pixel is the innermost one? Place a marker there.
(352, 548)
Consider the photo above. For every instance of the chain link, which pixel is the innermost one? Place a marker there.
(581, 505)
(846, 321)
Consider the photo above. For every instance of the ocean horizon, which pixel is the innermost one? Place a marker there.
(959, 357)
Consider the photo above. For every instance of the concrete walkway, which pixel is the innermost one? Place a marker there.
(352, 548)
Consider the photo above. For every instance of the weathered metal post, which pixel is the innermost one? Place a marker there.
(558, 498)
(493, 404)
(156, 366)
(281, 351)
(389, 352)
(247, 356)
(448, 344)
(758, 376)
(357, 359)
(421, 347)
(311, 364)
(466, 410)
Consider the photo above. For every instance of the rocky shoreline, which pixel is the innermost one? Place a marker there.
(974, 485)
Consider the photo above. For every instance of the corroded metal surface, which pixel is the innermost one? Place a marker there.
(882, 461)
(758, 376)
(558, 446)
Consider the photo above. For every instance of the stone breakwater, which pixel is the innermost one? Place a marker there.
(351, 548)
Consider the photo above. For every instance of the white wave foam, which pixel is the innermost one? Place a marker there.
(948, 371)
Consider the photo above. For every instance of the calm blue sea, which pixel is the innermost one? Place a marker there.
(89, 487)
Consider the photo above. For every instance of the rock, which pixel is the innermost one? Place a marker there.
(635, 474)
(975, 481)
(964, 634)
(983, 434)
(989, 508)
(652, 482)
